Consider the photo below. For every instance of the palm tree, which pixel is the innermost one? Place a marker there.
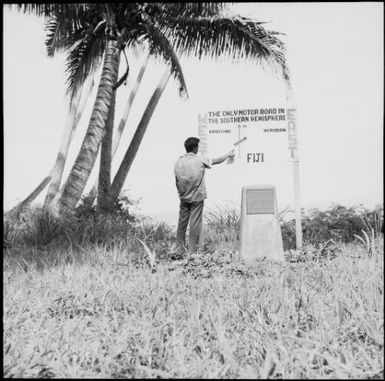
(123, 121)
(75, 112)
(106, 157)
(14, 213)
(57, 170)
(271, 50)
(132, 150)
(93, 29)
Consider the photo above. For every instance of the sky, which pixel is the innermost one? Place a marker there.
(335, 57)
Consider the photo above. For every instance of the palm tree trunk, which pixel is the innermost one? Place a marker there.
(123, 121)
(14, 212)
(36, 191)
(73, 118)
(105, 159)
(132, 150)
(61, 156)
(32, 196)
(85, 98)
(54, 205)
(130, 100)
(85, 160)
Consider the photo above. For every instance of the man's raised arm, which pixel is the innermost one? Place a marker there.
(222, 158)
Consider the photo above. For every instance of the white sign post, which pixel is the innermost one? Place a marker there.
(293, 147)
(269, 138)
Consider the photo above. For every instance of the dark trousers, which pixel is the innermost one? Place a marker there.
(192, 211)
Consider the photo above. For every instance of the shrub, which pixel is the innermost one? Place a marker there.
(37, 227)
(33, 227)
(337, 223)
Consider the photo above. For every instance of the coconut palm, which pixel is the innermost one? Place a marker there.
(271, 50)
(122, 123)
(257, 43)
(91, 30)
(132, 150)
(54, 176)
(14, 213)
(106, 158)
(75, 112)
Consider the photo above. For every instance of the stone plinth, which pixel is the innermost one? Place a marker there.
(260, 230)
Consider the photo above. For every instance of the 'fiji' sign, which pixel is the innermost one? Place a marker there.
(259, 136)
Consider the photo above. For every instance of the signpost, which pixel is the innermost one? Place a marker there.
(265, 129)
(293, 147)
(271, 138)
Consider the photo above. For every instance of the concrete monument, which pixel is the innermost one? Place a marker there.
(260, 229)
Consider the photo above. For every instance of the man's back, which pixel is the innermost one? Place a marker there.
(189, 174)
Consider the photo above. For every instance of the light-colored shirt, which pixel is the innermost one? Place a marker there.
(190, 177)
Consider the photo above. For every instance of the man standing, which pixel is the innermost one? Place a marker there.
(190, 182)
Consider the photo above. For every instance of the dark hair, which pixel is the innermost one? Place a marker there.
(191, 143)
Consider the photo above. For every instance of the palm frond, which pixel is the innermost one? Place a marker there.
(66, 10)
(63, 33)
(234, 37)
(60, 35)
(194, 9)
(84, 59)
(161, 47)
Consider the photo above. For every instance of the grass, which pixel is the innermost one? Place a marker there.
(101, 311)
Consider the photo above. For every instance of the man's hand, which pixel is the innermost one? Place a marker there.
(231, 154)
(221, 159)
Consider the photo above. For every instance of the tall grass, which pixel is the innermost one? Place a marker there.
(38, 228)
(222, 227)
(93, 313)
(95, 303)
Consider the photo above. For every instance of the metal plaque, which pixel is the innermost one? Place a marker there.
(260, 201)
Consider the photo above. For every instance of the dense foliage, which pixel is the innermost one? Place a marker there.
(338, 223)
(37, 230)
(37, 227)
